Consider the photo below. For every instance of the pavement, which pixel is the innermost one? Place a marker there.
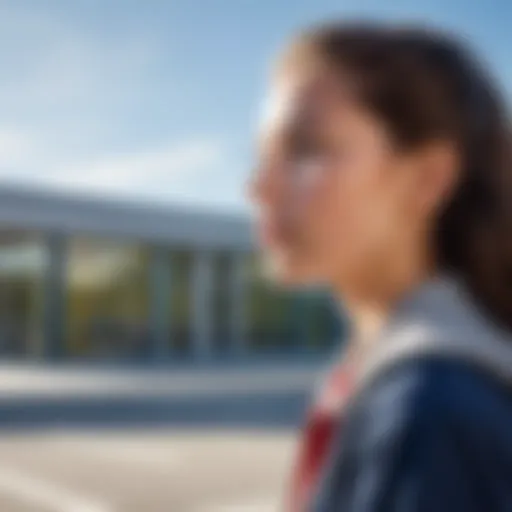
(79, 439)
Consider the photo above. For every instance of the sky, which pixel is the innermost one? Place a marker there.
(157, 101)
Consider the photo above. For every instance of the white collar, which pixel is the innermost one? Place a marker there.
(439, 318)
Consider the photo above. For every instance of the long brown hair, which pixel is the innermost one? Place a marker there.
(425, 85)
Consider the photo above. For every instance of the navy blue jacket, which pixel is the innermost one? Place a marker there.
(430, 430)
(428, 436)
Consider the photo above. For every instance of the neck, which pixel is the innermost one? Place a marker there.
(371, 300)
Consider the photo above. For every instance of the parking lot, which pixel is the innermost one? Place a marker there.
(218, 440)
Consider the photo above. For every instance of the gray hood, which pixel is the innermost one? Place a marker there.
(441, 319)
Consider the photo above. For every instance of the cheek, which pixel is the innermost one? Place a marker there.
(344, 215)
(352, 214)
(326, 216)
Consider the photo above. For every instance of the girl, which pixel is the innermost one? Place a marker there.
(386, 174)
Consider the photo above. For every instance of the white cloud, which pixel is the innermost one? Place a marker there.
(25, 158)
(59, 70)
(72, 97)
(124, 171)
(14, 147)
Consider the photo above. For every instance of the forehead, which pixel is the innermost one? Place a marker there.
(300, 102)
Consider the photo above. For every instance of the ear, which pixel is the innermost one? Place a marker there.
(437, 174)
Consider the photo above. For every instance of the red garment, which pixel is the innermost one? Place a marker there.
(322, 423)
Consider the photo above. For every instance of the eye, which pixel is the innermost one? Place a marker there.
(305, 155)
(305, 149)
(306, 162)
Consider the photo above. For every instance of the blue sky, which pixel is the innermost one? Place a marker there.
(157, 100)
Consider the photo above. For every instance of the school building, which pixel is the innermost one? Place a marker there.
(104, 279)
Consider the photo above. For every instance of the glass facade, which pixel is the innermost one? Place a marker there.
(322, 325)
(271, 312)
(181, 305)
(222, 303)
(124, 299)
(23, 263)
(107, 299)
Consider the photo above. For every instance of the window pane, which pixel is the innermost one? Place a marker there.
(108, 299)
(323, 326)
(23, 258)
(270, 313)
(181, 301)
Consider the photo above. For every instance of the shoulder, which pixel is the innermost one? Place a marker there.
(415, 437)
(419, 397)
(421, 385)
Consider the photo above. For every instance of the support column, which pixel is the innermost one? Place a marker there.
(238, 304)
(54, 310)
(202, 283)
(160, 303)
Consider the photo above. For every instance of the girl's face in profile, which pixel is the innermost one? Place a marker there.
(336, 200)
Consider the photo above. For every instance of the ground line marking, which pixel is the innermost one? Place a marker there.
(37, 491)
